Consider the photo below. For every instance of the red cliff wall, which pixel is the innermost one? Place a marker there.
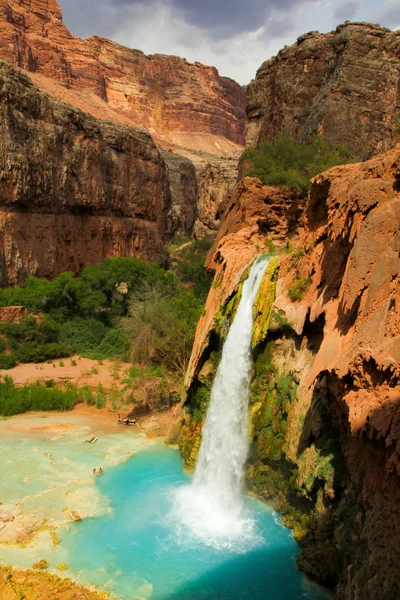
(182, 104)
(343, 85)
(73, 189)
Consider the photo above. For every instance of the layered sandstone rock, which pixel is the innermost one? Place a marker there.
(217, 177)
(343, 84)
(255, 217)
(73, 189)
(184, 194)
(325, 401)
(181, 104)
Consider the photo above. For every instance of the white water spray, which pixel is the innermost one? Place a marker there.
(212, 507)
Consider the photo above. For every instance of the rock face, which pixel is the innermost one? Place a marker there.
(325, 400)
(216, 179)
(181, 104)
(73, 189)
(344, 85)
(184, 194)
(255, 216)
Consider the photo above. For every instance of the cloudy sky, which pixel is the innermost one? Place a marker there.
(236, 36)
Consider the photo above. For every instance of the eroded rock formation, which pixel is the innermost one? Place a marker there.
(325, 399)
(179, 103)
(343, 85)
(73, 189)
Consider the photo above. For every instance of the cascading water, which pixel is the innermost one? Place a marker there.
(212, 506)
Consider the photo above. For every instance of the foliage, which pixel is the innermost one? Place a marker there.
(33, 352)
(298, 287)
(188, 265)
(96, 293)
(82, 313)
(270, 245)
(16, 400)
(162, 327)
(7, 361)
(285, 162)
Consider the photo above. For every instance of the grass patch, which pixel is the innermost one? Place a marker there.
(285, 162)
(298, 287)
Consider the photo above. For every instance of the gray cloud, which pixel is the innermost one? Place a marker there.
(220, 18)
(346, 11)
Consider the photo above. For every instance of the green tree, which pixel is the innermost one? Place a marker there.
(285, 162)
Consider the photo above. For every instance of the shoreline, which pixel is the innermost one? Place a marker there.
(29, 526)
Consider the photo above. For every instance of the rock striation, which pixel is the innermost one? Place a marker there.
(255, 216)
(181, 104)
(73, 189)
(343, 85)
(325, 400)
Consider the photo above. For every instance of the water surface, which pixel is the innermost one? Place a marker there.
(141, 550)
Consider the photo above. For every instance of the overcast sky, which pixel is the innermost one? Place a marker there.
(236, 36)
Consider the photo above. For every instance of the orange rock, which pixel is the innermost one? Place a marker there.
(181, 104)
(254, 215)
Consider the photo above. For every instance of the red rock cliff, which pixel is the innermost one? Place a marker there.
(325, 395)
(73, 189)
(343, 84)
(182, 104)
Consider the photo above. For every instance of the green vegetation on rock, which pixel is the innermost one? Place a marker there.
(264, 302)
(284, 162)
(298, 287)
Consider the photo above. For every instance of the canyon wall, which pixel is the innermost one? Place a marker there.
(325, 403)
(73, 189)
(181, 104)
(344, 85)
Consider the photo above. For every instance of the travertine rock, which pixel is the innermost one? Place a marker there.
(255, 215)
(182, 104)
(338, 463)
(343, 84)
(73, 189)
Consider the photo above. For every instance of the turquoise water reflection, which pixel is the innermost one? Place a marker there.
(141, 551)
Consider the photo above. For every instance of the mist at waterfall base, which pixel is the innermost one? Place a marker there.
(141, 551)
(212, 506)
(169, 538)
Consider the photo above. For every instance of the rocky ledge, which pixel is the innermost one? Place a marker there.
(181, 104)
(343, 85)
(325, 401)
(73, 189)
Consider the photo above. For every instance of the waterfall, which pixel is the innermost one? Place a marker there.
(212, 506)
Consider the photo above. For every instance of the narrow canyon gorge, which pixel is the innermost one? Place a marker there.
(106, 152)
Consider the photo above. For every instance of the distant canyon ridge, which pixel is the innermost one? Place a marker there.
(343, 85)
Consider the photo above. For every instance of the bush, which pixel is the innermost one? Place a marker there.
(7, 361)
(14, 401)
(36, 353)
(188, 265)
(285, 162)
(115, 344)
(162, 328)
(298, 287)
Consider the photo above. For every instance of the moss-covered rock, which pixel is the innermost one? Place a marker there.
(264, 303)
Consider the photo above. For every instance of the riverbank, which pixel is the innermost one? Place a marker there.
(37, 585)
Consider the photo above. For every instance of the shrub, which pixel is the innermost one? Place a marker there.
(7, 361)
(270, 245)
(14, 401)
(298, 287)
(285, 162)
(35, 352)
(162, 328)
(115, 344)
